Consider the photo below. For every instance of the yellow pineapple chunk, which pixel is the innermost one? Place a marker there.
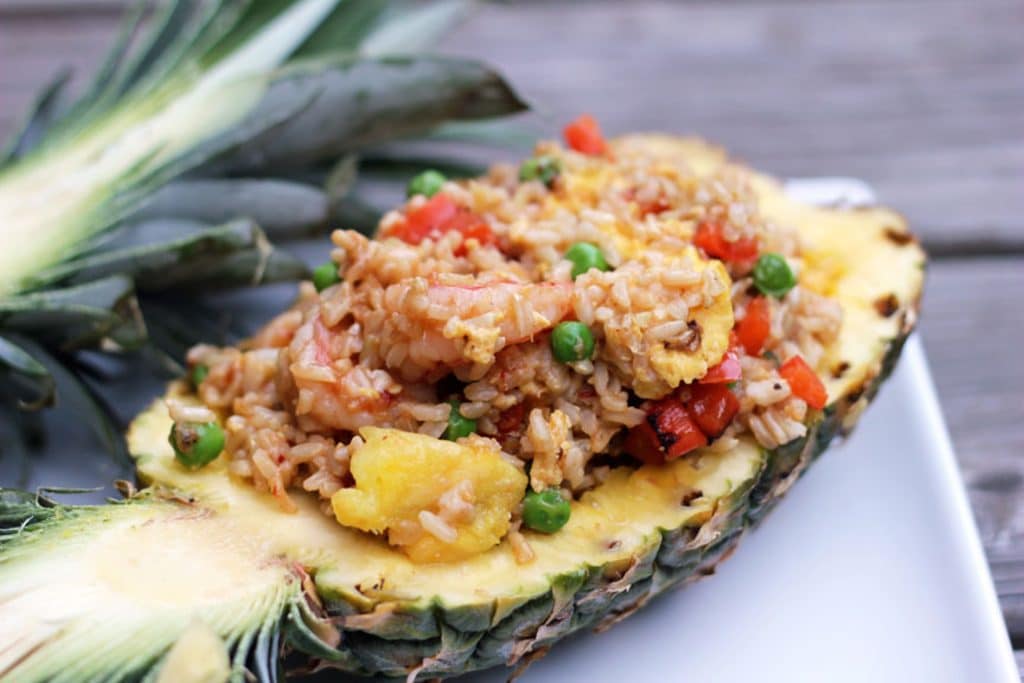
(406, 484)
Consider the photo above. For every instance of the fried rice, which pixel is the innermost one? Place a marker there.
(421, 324)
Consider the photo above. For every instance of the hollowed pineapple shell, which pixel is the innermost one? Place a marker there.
(632, 537)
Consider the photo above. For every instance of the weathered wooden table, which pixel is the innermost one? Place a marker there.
(925, 100)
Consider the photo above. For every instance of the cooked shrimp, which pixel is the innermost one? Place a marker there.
(455, 320)
(332, 387)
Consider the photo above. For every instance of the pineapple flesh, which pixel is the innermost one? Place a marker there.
(407, 483)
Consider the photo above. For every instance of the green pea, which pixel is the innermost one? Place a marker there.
(572, 341)
(546, 511)
(458, 426)
(325, 275)
(198, 374)
(427, 183)
(773, 276)
(585, 256)
(544, 168)
(196, 444)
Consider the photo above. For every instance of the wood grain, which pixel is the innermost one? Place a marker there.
(898, 93)
(972, 314)
(923, 99)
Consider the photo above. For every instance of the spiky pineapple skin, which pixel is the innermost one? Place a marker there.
(438, 642)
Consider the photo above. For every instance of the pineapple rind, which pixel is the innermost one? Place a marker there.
(400, 628)
(881, 259)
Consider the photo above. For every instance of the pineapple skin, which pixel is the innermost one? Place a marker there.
(392, 629)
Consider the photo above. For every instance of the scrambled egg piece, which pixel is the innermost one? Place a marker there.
(402, 480)
(671, 366)
(716, 321)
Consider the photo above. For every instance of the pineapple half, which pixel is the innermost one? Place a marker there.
(202, 578)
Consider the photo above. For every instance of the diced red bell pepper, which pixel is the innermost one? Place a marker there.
(727, 370)
(804, 382)
(712, 407)
(584, 135)
(471, 226)
(426, 220)
(438, 215)
(511, 419)
(668, 433)
(643, 444)
(710, 238)
(753, 330)
(678, 431)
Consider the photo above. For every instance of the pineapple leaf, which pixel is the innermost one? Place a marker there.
(144, 182)
(283, 209)
(105, 425)
(27, 372)
(290, 23)
(177, 325)
(112, 62)
(398, 169)
(167, 29)
(83, 399)
(72, 317)
(21, 434)
(256, 265)
(163, 363)
(345, 29)
(265, 654)
(358, 214)
(15, 456)
(41, 114)
(19, 507)
(231, 255)
(361, 102)
(494, 133)
(13, 357)
(141, 143)
(340, 179)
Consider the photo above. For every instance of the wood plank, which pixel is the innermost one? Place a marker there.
(971, 322)
(26, 7)
(924, 110)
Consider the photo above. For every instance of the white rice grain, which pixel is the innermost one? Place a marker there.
(186, 412)
(437, 527)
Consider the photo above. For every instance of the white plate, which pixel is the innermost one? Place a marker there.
(869, 570)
